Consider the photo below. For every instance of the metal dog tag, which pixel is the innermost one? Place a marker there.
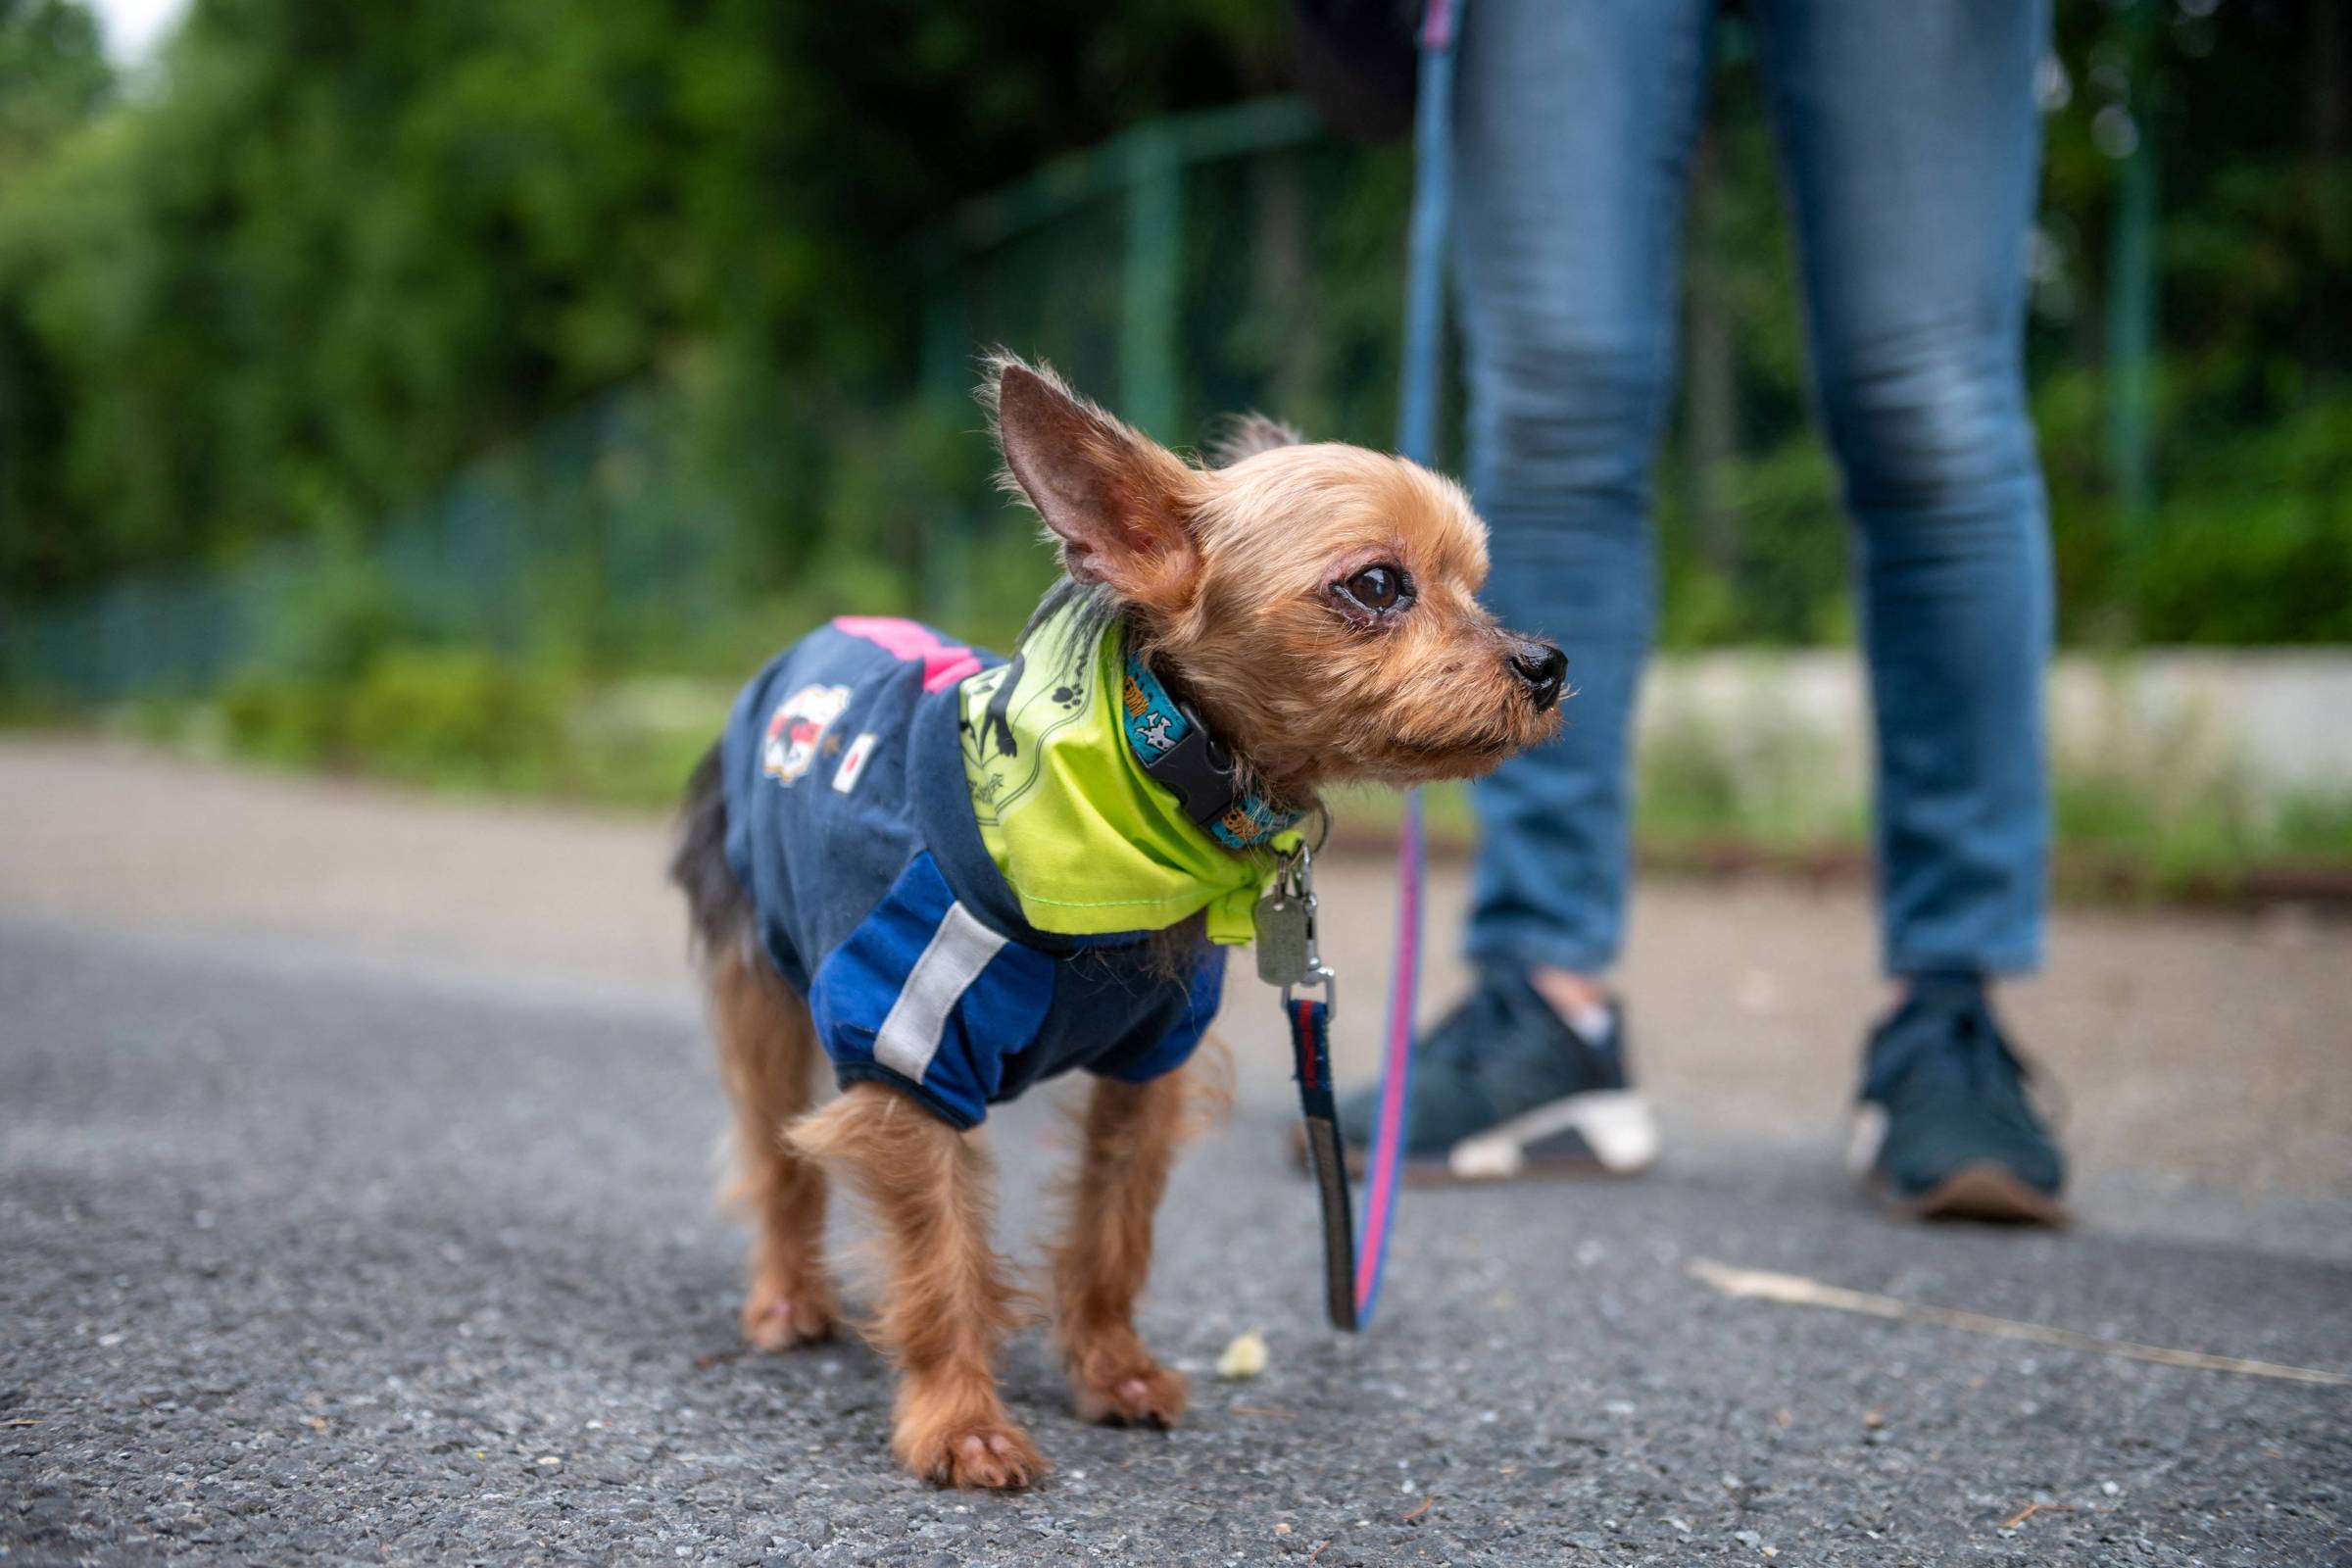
(1285, 922)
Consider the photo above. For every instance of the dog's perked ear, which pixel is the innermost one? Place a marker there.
(1119, 502)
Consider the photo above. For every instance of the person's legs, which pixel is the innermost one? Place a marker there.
(1572, 136)
(1571, 140)
(1911, 145)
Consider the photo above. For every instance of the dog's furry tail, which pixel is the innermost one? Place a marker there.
(719, 913)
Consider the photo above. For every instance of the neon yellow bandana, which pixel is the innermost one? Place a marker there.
(1087, 843)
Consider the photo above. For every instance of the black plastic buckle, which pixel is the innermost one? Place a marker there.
(1198, 769)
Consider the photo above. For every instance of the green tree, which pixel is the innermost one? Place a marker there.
(53, 76)
(339, 249)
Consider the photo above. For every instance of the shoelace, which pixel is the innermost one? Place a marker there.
(1972, 1038)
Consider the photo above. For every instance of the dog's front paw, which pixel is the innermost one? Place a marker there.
(1129, 1393)
(777, 1317)
(993, 1454)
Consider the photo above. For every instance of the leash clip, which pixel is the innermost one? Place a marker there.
(1291, 959)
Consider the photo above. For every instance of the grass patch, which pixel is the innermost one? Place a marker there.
(460, 722)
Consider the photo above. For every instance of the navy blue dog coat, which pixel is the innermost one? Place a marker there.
(909, 917)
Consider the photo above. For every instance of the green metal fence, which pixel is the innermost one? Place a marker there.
(586, 529)
(1198, 264)
(1136, 182)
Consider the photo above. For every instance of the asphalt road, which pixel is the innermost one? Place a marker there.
(308, 1256)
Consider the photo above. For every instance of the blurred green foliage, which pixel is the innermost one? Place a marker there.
(2247, 106)
(434, 713)
(53, 77)
(462, 719)
(324, 262)
(335, 250)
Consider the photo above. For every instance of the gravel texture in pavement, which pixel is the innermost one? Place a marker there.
(305, 1259)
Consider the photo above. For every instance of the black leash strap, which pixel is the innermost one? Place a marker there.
(1327, 1152)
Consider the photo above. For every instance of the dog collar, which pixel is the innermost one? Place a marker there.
(1176, 750)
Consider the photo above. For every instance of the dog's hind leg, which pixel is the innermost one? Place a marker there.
(1128, 1139)
(768, 1054)
(947, 1306)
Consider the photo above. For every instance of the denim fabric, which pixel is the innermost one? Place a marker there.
(1910, 147)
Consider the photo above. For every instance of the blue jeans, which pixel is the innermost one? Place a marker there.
(1910, 148)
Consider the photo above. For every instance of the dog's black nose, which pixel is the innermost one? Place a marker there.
(1545, 669)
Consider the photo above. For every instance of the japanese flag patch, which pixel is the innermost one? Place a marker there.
(852, 762)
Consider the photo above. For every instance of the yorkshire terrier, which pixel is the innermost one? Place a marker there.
(951, 877)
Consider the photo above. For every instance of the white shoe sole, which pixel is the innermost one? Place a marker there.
(1616, 1125)
(1865, 1138)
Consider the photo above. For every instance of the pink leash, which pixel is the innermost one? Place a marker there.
(1389, 1128)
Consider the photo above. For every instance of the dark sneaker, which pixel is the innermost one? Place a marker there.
(1504, 1088)
(1945, 1122)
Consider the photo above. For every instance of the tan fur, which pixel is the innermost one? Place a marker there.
(1127, 1140)
(1228, 576)
(949, 1305)
(1430, 697)
(1228, 573)
(768, 1054)
(1245, 435)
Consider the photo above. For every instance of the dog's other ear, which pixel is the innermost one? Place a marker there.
(1245, 435)
(1117, 501)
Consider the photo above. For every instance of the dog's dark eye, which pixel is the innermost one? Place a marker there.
(1379, 589)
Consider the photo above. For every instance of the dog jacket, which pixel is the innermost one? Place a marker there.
(958, 860)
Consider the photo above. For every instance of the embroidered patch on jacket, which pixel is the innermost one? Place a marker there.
(852, 762)
(796, 728)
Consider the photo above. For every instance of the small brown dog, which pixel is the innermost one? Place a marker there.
(952, 876)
